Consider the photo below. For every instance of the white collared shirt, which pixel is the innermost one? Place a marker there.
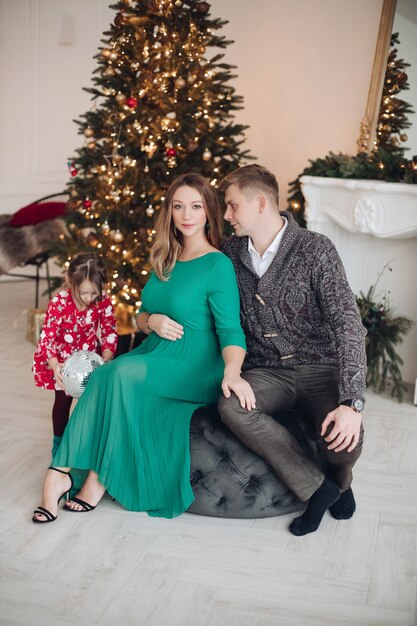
(261, 263)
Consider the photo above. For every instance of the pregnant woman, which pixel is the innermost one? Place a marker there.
(130, 428)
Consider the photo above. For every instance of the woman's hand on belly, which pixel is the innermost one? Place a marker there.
(165, 327)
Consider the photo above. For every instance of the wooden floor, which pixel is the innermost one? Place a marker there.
(113, 567)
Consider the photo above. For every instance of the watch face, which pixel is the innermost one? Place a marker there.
(358, 405)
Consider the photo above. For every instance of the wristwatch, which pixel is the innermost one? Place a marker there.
(357, 404)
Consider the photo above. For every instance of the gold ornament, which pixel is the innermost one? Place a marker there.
(207, 155)
(178, 3)
(180, 83)
(171, 115)
(109, 71)
(113, 56)
(92, 240)
(403, 137)
(126, 191)
(89, 132)
(116, 235)
(150, 211)
(106, 53)
(91, 145)
(120, 98)
(191, 78)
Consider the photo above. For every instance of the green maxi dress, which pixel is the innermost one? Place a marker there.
(131, 425)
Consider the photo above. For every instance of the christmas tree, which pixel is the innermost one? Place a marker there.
(161, 107)
(394, 112)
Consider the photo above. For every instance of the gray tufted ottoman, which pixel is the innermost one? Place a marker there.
(228, 479)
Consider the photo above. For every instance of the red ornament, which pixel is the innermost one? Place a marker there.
(202, 7)
(171, 152)
(72, 169)
(120, 20)
(87, 203)
(131, 102)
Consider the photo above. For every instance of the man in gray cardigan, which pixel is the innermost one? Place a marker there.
(306, 346)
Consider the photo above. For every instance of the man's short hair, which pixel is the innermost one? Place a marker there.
(253, 178)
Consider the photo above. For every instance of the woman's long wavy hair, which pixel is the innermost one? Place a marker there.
(169, 243)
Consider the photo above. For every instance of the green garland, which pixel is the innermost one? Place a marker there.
(380, 165)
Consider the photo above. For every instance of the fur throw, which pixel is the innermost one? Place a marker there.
(19, 245)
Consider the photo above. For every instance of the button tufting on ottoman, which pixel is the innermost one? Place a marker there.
(228, 479)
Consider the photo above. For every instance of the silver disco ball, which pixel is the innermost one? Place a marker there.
(77, 370)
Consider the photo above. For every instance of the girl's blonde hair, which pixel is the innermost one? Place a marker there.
(86, 266)
(169, 241)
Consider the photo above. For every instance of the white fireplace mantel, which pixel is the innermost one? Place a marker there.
(373, 225)
(387, 210)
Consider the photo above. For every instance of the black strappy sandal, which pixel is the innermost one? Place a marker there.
(86, 507)
(47, 514)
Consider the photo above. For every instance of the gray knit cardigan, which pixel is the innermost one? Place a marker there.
(302, 310)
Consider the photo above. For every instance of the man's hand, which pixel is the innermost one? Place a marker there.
(241, 388)
(345, 430)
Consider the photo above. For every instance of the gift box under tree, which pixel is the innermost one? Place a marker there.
(35, 319)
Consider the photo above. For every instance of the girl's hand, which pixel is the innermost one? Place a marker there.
(165, 327)
(107, 355)
(239, 386)
(57, 370)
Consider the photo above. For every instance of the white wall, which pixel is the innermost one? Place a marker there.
(304, 69)
(41, 83)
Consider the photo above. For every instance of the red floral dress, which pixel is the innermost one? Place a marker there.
(66, 329)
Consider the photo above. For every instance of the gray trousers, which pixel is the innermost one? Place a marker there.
(314, 390)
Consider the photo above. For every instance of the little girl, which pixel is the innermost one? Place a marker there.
(72, 320)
